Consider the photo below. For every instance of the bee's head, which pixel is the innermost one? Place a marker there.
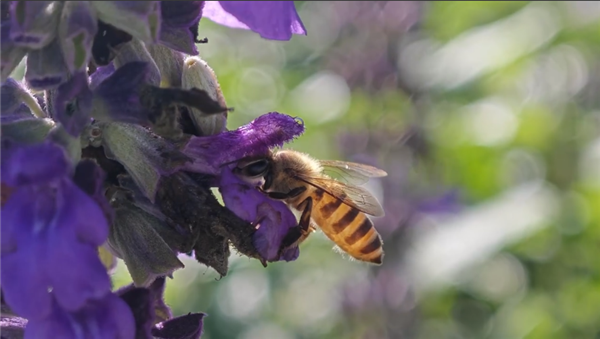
(255, 171)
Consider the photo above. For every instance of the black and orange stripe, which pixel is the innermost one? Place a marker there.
(348, 227)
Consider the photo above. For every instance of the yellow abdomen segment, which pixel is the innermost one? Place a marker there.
(348, 227)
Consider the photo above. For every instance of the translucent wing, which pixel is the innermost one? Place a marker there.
(351, 195)
(351, 172)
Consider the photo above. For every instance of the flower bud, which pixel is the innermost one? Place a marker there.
(197, 74)
(33, 23)
(10, 53)
(46, 68)
(140, 19)
(170, 64)
(145, 156)
(135, 51)
(180, 25)
(76, 31)
(134, 238)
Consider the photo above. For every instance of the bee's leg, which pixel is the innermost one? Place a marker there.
(299, 233)
(282, 196)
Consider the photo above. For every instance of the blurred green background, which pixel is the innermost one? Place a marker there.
(486, 115)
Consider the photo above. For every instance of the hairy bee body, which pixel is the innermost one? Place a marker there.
(346, 225)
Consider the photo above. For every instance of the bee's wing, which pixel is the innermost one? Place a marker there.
(351, 195)
(351, 172)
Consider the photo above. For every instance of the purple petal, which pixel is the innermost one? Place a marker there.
(56, 325)
(78, 228)
(33, 23)
(448, 202)
(140, 302)
(87, 221)
(257, 137)
(73, 104)
(274, 218)
(100, 75)
(89, 177)
(54, 233)
(50, 230)
(117, 98)
(271, 230)
(178, 38)
(181, 14)
(109, 317)
(23, 275)
(178, 17)
(275, 20)
(239, 197)
(77, 274)
(32, 165)
(77, 29)
(4, 8)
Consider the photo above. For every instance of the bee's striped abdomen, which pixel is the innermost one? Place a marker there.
(349, 228)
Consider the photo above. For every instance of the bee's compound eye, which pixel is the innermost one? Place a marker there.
(257, 168)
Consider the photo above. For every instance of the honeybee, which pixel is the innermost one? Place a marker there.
(338, 209)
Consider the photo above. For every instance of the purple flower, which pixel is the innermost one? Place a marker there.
(275, 20)
(107, 317)
(448, 202)
(100, 75)
(76, 34)
(141, 19)
(117, 96)
(257, 137)
(10, 53)
(33, 23)
(179, 27)
(72, 104)
(50, 232)
(272, 218)
(210, 153)
(116, 133)
(46, 68)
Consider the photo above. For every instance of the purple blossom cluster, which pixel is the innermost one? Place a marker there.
(110, 145)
